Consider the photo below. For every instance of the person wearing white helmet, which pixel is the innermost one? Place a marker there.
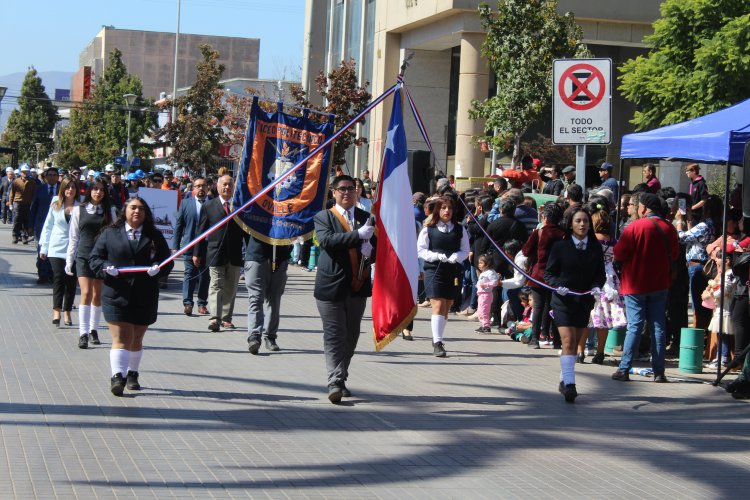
(5, 183)
(20, 198)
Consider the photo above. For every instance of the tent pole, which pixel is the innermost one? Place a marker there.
(723, 268)
(617, 201)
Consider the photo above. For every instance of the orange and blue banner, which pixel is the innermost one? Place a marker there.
(274, 144)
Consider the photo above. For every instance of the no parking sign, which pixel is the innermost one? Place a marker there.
(582, 101)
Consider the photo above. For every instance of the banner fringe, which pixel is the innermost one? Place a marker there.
(394, 333)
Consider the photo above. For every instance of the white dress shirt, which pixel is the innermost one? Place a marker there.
(423, 243)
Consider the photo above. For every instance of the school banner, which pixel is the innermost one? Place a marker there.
(163, 204)
(274, 143)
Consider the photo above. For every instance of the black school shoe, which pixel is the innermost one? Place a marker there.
(132, 381)
(83, 341)
(438, 349)
(118, 384)
(94, 337)
(569, 391)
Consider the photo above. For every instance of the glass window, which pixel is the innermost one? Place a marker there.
(369, 52)
(336, 30)
(354, 31)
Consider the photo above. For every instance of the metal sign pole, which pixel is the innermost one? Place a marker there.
(581, 165)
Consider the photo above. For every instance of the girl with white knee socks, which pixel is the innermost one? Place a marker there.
(443, 244)
(86, 222)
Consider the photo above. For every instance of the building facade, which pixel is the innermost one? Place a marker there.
(150, 56)
(448, 71)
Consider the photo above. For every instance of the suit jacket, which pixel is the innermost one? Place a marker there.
(4, 188)
(54, 238)
(577, 270)
(186, 227)
(132, 290)
(333, 280)
(224, 246)
(40, 206)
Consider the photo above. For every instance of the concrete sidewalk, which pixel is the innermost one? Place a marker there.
(215, 421)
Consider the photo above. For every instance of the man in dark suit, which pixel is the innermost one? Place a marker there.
(38, 214)
(342, 283)
(223, 255)
(7, 213)
(185, 231)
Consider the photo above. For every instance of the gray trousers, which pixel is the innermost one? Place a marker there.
(222, 290)
(341, 323)
(264, 290)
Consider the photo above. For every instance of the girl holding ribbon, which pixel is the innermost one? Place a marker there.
(130, 298)
(576, 269)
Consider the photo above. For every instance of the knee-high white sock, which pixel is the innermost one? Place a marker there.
(135, 360)
(118, 361)
(568, 367)
(437, 322)
(84, 316)
(96, 316)
(443, 323)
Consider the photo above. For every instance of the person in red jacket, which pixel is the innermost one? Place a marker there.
(645, 251)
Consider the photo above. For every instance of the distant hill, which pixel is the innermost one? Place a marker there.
(50, 79)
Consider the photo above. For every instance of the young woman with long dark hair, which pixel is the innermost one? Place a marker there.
(53, 245)
(86, 222)
(130, 300)
(575, 264)
(443, 244)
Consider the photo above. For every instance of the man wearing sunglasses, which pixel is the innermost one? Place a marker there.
(342, 283)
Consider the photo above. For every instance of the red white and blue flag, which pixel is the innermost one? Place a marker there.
(394, 290)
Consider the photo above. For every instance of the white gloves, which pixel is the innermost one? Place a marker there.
(365, 232)
(561, 290)
(69, 269)
(453, 258)
(596, 291)
(366, 249)
(153, 270)
(111, 270)
(442, 257)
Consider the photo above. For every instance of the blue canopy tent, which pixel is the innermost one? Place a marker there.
(719, 137)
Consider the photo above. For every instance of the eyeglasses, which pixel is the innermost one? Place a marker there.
(346, 189)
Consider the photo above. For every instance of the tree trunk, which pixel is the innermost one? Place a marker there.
(516, 159)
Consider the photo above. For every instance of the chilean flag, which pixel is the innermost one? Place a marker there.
(394, 290)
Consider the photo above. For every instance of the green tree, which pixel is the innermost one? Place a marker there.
(699, 62)
(523, 39)
(345, 99)
(33, 121)
(99, 126)
(196, 133)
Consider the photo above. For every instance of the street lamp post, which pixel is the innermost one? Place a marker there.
(38, 147)
(130, 100)
(2, 94)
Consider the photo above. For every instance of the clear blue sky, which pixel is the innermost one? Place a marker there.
(50, 34)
